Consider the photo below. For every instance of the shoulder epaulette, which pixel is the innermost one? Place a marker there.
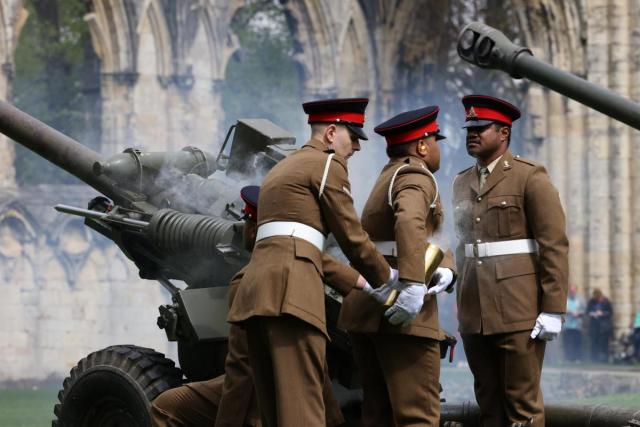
(524, 160)
(464, 170)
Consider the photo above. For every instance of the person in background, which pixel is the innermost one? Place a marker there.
(572, 336)
(600, 313)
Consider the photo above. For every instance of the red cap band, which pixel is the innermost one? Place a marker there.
(412, 135)
(483, 113)
(251, 211)
(334, 116)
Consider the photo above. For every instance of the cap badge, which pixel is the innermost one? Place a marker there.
(471, 114)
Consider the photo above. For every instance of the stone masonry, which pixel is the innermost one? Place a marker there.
(68, 292)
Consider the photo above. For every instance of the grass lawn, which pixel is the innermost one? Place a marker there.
(626, 400)
(27, 408)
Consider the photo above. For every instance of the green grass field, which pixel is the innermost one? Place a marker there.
(27, 408)
(34, 408)
(627, 400)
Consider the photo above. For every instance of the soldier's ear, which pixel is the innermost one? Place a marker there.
(330, 133)
(422, 148)
(505, 132)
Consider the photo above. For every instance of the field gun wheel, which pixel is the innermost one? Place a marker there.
(114, 386)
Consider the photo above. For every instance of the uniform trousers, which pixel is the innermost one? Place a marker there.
(400, 379)
(193, 404)
(287, 356)
(228, 400)
(506, 370)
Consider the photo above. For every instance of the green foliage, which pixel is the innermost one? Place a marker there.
(262, 78)
(50, 80)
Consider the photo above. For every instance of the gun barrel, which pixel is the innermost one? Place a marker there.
(556, 415)
(487, 47)
(56, 147)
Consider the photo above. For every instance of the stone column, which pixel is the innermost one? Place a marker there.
(634, 14)
(598, 197)
(556, 142)
(117, 111)
(619, 183)
(13, 16)
(575, 208)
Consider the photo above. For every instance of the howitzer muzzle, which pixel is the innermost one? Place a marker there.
(179, 233)
(487, 47)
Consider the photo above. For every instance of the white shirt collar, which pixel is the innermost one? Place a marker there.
(491, 166)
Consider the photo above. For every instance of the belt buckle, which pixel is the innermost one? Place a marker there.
(475, 250)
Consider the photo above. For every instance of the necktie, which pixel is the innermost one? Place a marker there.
(484, 173)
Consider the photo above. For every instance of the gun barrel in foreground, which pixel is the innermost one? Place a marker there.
(487, 47)
(56, 147)
(556, 415)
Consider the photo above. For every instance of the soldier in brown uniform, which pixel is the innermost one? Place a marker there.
(513, 288)
(229, 400)
(280, 299)
(399, 358)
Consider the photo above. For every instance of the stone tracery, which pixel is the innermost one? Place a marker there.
(176, 53)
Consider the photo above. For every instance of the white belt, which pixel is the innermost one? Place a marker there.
(387, 247)
(293, 229)
(508, 247)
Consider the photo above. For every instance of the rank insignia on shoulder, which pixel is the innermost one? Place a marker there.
(346, 190)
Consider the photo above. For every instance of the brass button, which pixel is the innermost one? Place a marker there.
(503, 203)
(479, 198)
(477, 219)
(479, 262)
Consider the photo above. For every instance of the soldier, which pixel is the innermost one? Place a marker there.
(399, 358)
(280, 300)
(513, 291)
(229, 400)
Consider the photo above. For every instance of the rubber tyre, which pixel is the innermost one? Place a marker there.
(114, 386)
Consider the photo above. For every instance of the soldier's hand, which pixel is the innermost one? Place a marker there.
(442, 279)
(547, 327)
(380, 294)
(408, 304)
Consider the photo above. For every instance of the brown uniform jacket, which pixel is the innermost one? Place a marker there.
(237, 400)
(285, 274)
(410, 222)
(506, 293)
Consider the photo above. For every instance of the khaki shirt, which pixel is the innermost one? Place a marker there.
(506, 293)
(285, 273)
(409, 221)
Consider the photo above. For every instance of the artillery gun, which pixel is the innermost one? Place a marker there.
(174, 215)
(487, 47)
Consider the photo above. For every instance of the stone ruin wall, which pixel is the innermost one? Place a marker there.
(160, 86)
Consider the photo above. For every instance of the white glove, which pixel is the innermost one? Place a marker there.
(548, 326)
(380, 294)
(408, 304)
(393, 279)
(442, 279)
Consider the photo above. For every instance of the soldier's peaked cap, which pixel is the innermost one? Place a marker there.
(249, 196)
(410, 126)
(344, 111)
(482, 110)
